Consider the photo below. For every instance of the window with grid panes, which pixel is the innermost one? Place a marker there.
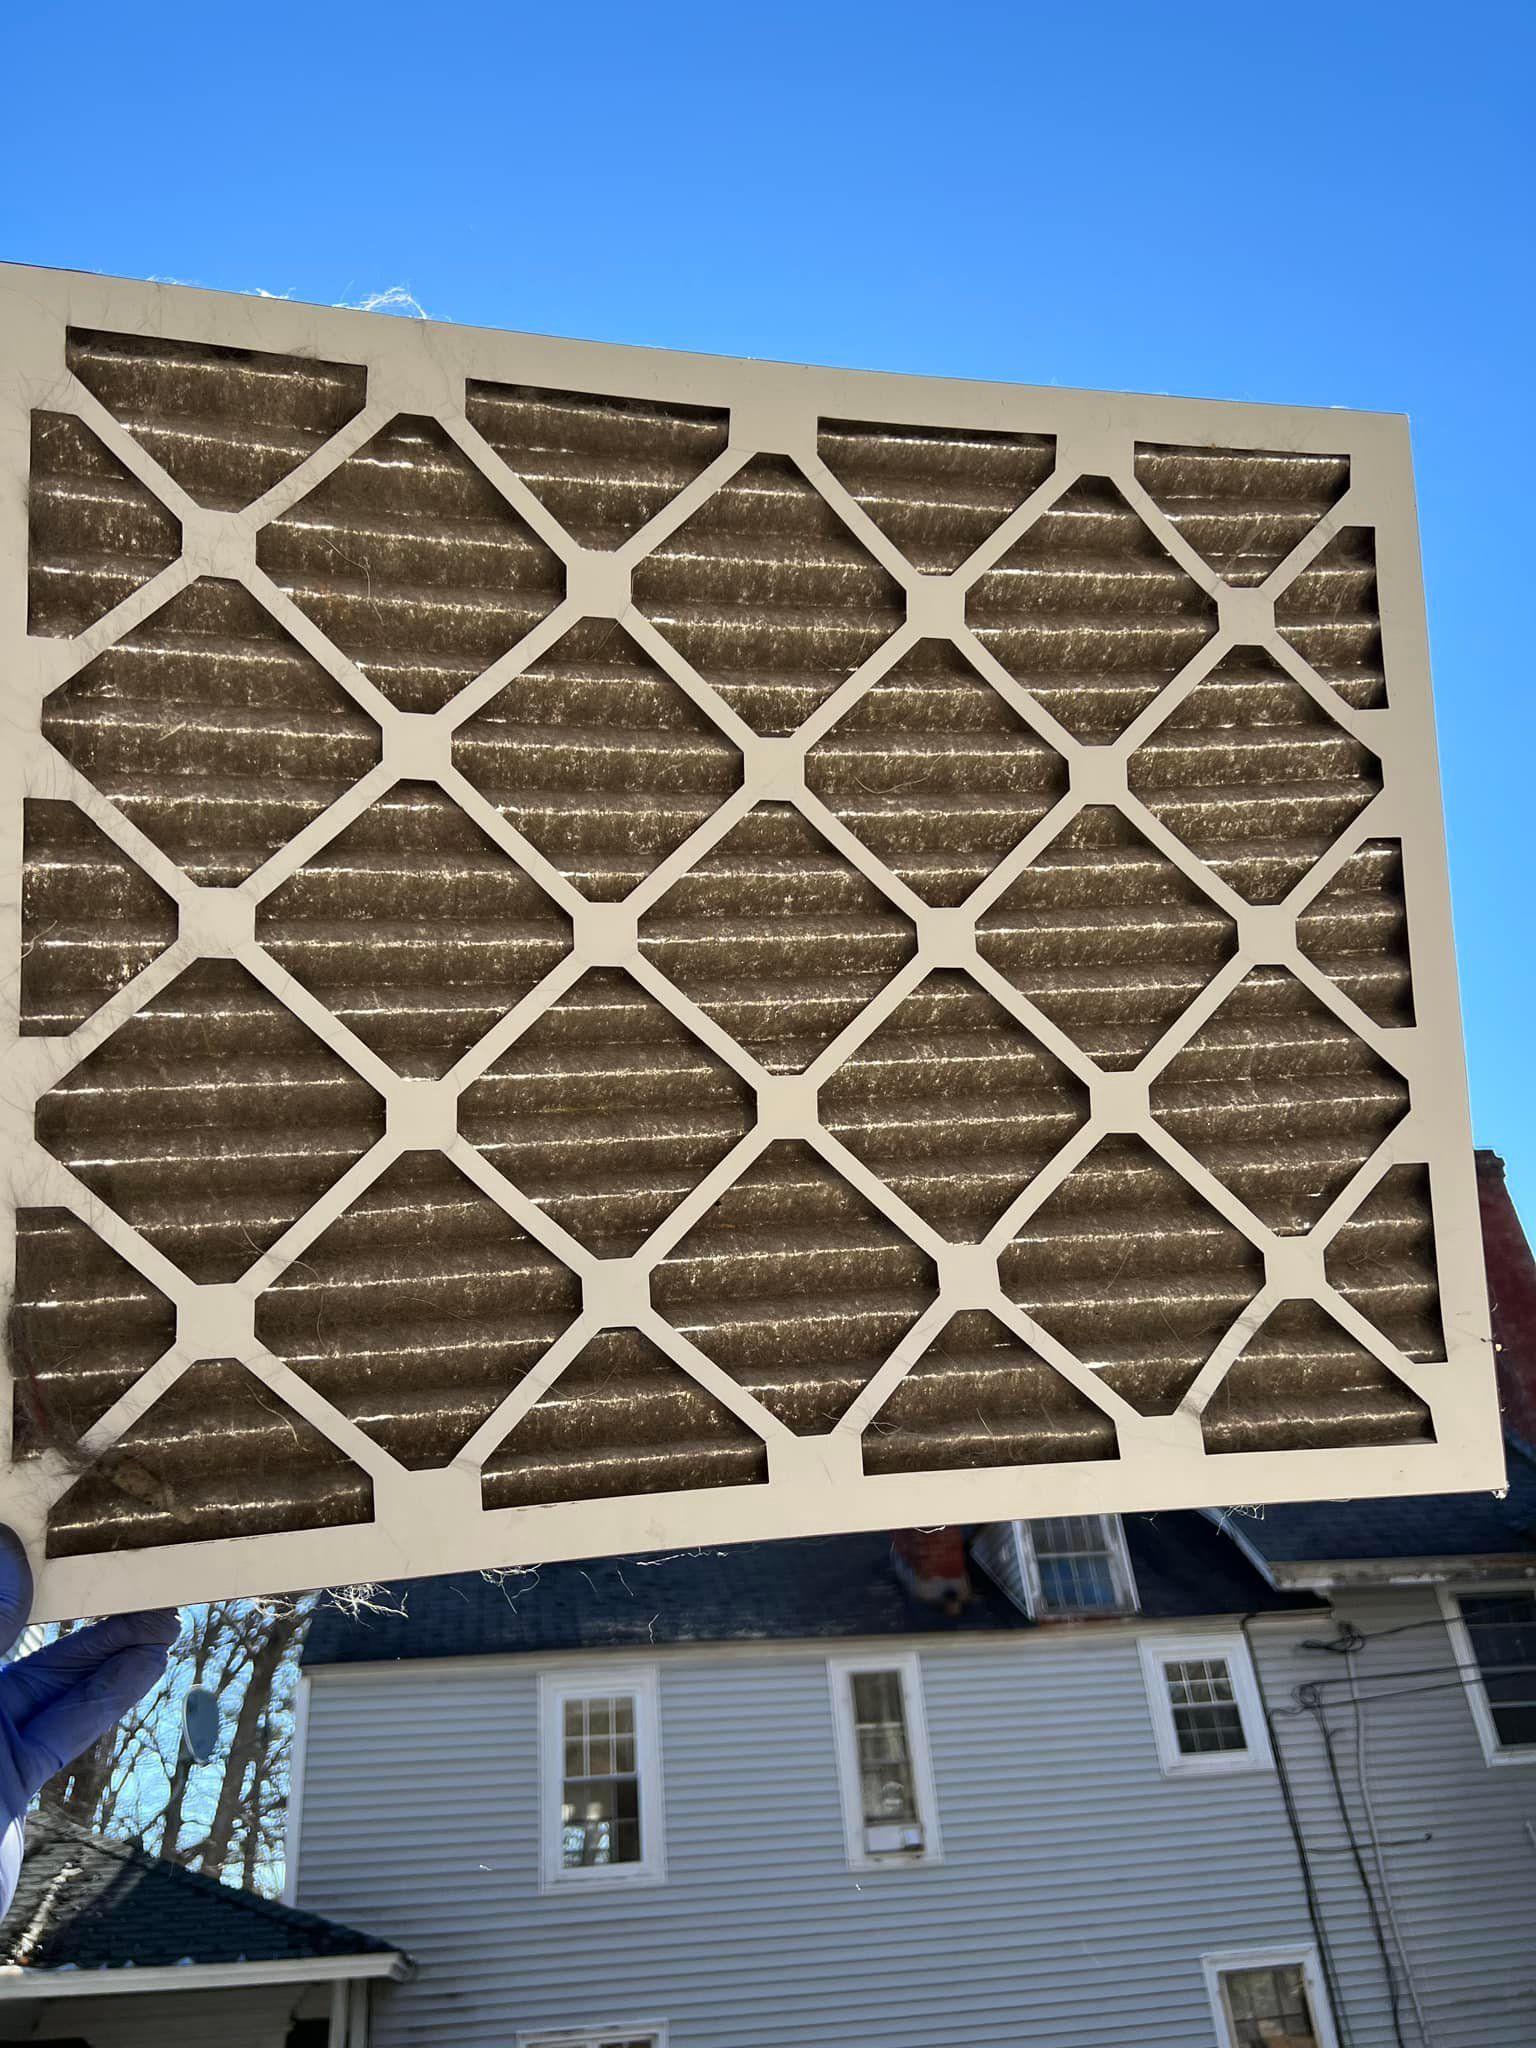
(600, 1786)
(1207, 1720)
(887, 1787)
(1207, 1711)
(1269, 2008)
(1501, 1628)
(1080, 1564)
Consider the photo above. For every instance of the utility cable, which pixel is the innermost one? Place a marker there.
(1362, 1778)
(1304, 1861)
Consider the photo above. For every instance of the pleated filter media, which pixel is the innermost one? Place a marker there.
(610, 949)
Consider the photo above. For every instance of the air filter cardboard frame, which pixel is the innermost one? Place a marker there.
(433, 1521)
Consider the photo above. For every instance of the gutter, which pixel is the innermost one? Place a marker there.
(18, 1983)
(1325, 1575)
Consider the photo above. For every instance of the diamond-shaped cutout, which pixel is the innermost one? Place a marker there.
(1090, 612)
(226, 423)
(218, 1455)
(1302, 1383)
(211, 1120)
(954, 1105)
(1281, 1101)
(979, 1396)
(1382, 1260)
(1106, 936)
(1243, 509)
(96, 533)
(606, 1112)
(597, 757)
(213, 731)
(414, 929)
(768, 595)
(603, 466)
(778, 937)
(1330, 614)
(90, 918)
(1254, 776)
(796, 1285)
(935, 773)
(83, 1326)
(1136, 1274)
(419, 1310)
(622, 1419)
(1356, 929)
(408, 559)
(937, 492)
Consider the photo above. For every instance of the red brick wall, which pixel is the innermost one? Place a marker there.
(1511, 1297)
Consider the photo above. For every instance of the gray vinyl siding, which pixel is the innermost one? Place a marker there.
(1042, 1925)
(1078, 1891)
(996, 1550)
(1458, 1838)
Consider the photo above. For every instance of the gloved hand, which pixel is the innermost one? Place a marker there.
(55, 1703)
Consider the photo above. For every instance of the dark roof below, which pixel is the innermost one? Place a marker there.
(1422, 1525)
(807, 1589)
(94, 1904)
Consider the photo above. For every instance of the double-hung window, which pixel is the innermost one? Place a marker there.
(1075, 1565)
(1493, 1636)
(1269, 1998)
(601, 1770)
(1205, 1704)
(882, 1755)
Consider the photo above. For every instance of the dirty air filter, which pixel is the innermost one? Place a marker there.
(611, 949)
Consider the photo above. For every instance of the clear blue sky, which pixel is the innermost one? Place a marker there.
(1321, 204)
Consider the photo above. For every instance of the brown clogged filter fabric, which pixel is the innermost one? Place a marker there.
(213, 1118)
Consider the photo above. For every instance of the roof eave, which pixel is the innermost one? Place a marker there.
(18, 1983)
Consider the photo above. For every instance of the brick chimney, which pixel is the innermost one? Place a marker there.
(931, 1564)
(1511, 1297)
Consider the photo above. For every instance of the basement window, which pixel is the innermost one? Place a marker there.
(1269, 1998)
(883, 1764)
(1205, 1704)
(1493, 1636)
(1075, 1566)
(601, 1769)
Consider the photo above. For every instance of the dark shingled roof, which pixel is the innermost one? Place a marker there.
(1422, 1525)
(90, 1903)
(807, 1589)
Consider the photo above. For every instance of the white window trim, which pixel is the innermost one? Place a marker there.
(592, 1681)
(653, 2031)
(1160, 1650)
(1120, 1558)
(1220, 1961)
(840, 1671)
(1497, 1754)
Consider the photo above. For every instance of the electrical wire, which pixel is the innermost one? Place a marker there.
(1304, 1861)
(1389, 1969)
(1368, 1806)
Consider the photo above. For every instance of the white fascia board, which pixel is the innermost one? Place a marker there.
(17, 1983)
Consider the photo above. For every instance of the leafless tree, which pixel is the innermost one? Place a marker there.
(225, 1816)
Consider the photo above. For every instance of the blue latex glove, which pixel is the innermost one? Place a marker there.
(55, 1703)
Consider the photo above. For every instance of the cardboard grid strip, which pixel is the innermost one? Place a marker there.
(434, 1518)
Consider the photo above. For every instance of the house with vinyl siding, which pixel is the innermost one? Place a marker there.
(1176, 1782)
